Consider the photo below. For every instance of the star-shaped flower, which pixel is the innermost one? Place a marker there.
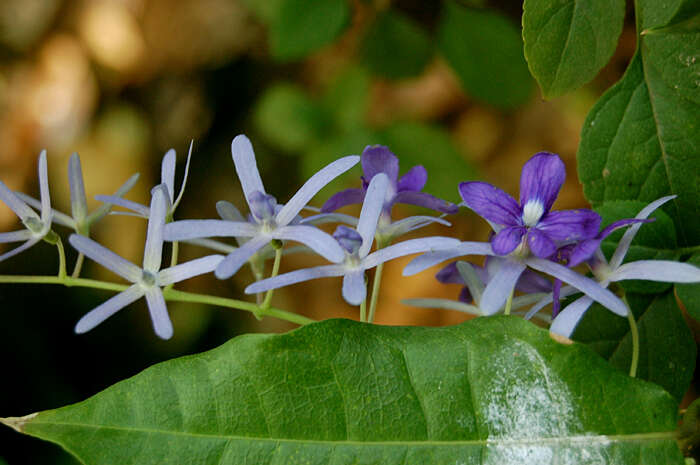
(268, 220)
(37, 227)
(148, 280)
(531, 222)
(357, 243)
(607, 272)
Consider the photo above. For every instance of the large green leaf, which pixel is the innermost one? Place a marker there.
(689, 294)
(486, 52)
(568, 42)
(642, 139)
(667, 348)
(490, 391)
(300, 27)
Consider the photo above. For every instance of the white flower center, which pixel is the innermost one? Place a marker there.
(34, 225)
(532, 212)
(148, 279)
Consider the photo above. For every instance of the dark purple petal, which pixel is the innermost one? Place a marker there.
(449, 275)
(541, 179)
(531, 283)
(507, 239)
(465, 296)
(422, 199)
(556, 292)
(414, 180)
(349, 239)
(620, 224)
(583, 251)
(379, 159)
(540, 243)
(570, 225)
(490, 202)
(343, 198)
(262, 205)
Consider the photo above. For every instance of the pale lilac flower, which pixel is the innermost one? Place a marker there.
(80, 220)
(357, 243)
(607, 272)
(167, 179)
(37, 227)
(531, 223)
(268, 220)
(148, 280)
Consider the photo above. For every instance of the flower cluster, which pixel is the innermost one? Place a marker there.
(534, 250)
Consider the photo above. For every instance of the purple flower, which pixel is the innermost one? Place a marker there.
(531, 222)
(268, 219)
(148, 280)
(356, 244)
(407, 189)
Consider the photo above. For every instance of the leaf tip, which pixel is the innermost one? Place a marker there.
(17, 423)
(561, 339)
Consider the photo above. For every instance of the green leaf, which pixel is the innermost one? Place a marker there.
(667, 348)
(287, 118)
(395, 46)
(490, 391)
(642, 140)
(266, 11)
(568, 42)
(486, 52)
(304, 26)
(654, 241)
(430, 146)
(347, 99)
(689, 294)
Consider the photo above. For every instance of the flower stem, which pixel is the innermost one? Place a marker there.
(635, 339)
(509, 302)
(61, 259)
(363, 311)
(375, 292)
(78, 265)
(275, 270)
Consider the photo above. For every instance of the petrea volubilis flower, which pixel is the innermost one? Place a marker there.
(37, 227)
(356, 244)
(148, 280)
(80, 220)
(607, 272)
(531, 222)
(268, 220)
(167, 179)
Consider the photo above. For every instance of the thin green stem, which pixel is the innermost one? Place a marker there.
(509, 302)
(275, 270)
(363, 311)
(61, 259)
(689, 250)
(635, 340)
(78, 265)
(375, 292)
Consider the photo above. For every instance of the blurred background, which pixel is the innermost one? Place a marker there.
(443, 84)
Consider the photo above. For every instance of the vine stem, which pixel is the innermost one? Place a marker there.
(635, 339)
(78, 265)
(275, 270)
(509, 302)
(375, 292)
(363, 311)
(169, 294)
(61, 259)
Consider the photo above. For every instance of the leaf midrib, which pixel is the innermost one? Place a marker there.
(583, 439)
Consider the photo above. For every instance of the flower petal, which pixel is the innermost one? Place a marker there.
(379, 159)
(183, 230)
(210, 244)
(531, 282)
(16, 204)
(320, 242)
(444, 304)
(311, 187)
(627, 238)
(413, 180)
(159, 313)
(105, 257)
(102, 210)
(343, 198)
(422, 199)
(424, 244)
(294, 277)
(15, 236)
(246, 167)
(354, 287)
(541, 178)
(236, 259)
(474, 278)
(153, 251)
(229, 212)
(56, 216)
(490, 202)
(540, 243)
(507, 239)
(570, 225)
(100, 313)
(187, 270)
(78, 201)
(110, 200)
(500, 286)
(324, 218)
(167, 174)
(46, 212)
(371, 209)
(657, 270)
(427, 260)
(19, 249)
(582, 283)
(184, 179)
(405, 225)
(565, 323)
(547, 299)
